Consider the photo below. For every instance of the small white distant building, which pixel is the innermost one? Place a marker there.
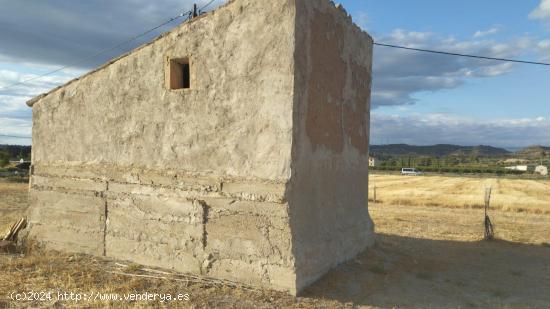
(19, 161)
(523, 168)
(541, 170)
(373, 161)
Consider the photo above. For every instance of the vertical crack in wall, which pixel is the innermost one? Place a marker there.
(205, 210)
(105, 214)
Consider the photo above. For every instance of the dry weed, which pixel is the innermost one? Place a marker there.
(513, 195)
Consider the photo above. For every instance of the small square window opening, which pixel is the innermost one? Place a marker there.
(179, 74)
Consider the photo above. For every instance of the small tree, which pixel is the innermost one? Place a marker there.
(4, 159)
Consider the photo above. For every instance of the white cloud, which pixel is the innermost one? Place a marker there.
(487, 32)
(15, 115)
(61, 32)
(16, 128)
(441, 129)
(400, 74)
(542, 12)
(543, 48)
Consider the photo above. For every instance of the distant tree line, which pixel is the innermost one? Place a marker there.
(439, 162)
(456, 170)
(467, 164)
(14, 153)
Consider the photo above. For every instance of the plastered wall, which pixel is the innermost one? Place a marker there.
(235, 120)
(256, 174)
(190, 179)
(328, 189)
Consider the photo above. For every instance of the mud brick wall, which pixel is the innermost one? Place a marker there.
(199, 225)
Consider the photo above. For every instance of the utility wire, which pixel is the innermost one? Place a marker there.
(206, 5)
(189, 14)
(462, 55)
(14, 136)
(98, 53)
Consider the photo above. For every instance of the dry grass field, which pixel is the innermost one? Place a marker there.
(425, 257)
(518, 195)
(13, 202)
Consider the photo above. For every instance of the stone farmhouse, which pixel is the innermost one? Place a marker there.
(234, 146)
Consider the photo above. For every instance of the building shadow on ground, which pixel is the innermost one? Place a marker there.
(419, 273)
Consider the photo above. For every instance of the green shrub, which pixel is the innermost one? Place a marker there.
(4, 159)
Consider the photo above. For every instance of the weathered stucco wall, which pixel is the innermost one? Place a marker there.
(257, 174)
(328, 189)
(235, 120)
(190, 179)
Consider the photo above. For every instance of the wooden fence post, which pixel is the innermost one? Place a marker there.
(489, 234)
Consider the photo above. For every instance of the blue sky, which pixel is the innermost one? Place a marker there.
(417, 98)
(470, 20)
(507, 106)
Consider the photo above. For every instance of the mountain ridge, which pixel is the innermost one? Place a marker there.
(534, 152)
(438, 150)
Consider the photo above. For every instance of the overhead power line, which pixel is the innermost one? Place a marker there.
(206, 5)
(102, 52)
(461, 55)
(15, 136)
(189, 14)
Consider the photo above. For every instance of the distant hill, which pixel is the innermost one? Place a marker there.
(437, 150)
(533, 152)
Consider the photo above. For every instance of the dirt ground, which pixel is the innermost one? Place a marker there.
(424, 257)
(428, 257)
